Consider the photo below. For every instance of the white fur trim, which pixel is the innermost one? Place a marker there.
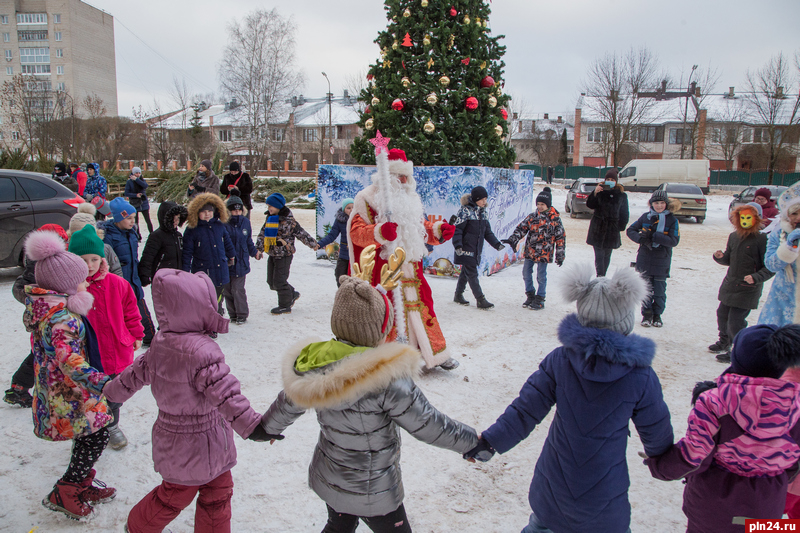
(786, 253)
(437, 229)
(398, 167)
(350, 378)
(377, 234)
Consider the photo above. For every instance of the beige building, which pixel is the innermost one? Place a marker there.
(64, 45)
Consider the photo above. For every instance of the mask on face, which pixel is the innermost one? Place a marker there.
(610, 184)
(746, 219)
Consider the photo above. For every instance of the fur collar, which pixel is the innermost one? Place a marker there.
(629, 350)
(341, 217)
(349, 379)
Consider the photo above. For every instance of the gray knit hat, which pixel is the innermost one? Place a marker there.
(659, 195)
(361, 315)
(607, 303)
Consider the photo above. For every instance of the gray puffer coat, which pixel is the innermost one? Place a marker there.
(360, 401)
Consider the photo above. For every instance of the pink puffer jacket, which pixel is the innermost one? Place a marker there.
(199, 402)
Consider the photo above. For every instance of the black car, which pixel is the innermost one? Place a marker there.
(576, 197)
(747, 195)
(29, 200)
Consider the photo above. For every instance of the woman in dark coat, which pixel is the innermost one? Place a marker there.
(164, 247)
(340, 228)
(238, 183)
(135, 193)
(610, 217)
(472, 228)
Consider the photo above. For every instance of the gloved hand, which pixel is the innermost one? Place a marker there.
(482, 452)
(448, 230)
(500, 246)
(509, 242)
(793, 237)
(389, 231)
(459, 251)
(646, 238)
(560, 260)
(145, 281)
(260, 434)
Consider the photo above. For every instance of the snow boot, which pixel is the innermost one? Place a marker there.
(531, 296)
(647, 320)
(295, 297)
(450, 364)
(657, 323)
(67, 498)
(483, 303)
(116, 438)
(280, 310)
(722, 345)
(724, 358)
(459, 299)
(17, 395)
(538, 303)
(95, 491)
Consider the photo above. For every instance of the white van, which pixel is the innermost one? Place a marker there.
(648, 174)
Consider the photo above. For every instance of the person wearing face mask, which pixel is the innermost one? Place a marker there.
(238, 183)
(744, 281)
(610, 204)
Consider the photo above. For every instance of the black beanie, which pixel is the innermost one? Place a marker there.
(612, 174)
(234, 166)
(61, 168)
(765, 350)
(478, 193)
(545, 197)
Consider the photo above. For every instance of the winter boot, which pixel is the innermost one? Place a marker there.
(724, 357)
(538, 303)
(280, 310)
(647, 320)
(295, 297)
(657, 323)
(459, 299)
(67, 498)
(450, 364)
(17, 395)
(722, 345)
(95, 491)
(483, 303)
(531, 296)
(117, 439)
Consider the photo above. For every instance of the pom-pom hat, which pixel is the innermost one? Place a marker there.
(765, 350)
(84, 216)
(361, 314)
(545, 197)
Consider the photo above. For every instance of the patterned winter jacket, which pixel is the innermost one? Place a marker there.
(288, 229)
(546, 240)
(67, 390)
(741, 439)
(96, 184)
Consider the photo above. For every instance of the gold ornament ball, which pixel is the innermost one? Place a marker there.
(483, 65)
(445, 81)
(429, 127)
(478, 21)
(394, 45)
(466, 19)
(406, 82)
(486, 23)
(426, 40)
(369, 124)
(492, 101)
(375, 100)
(498, 130)
(424, 3)
(432, 99)
(407, 13)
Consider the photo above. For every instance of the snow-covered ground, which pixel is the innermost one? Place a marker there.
(497, 350)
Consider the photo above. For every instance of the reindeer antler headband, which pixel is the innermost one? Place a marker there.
(390, 272)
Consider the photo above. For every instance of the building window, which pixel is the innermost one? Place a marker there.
(595, 135)
(32, 35)
(58, 36)
(10, 71)
(59, 52)
(309, 135)
(8, 55)
(59, 70)
(39, 85)
(6, 37)
(3, 19)
(34, 55)
(56, 19)
(676, 136)
(239, 134)
(15, 135)
(224, 135)
(36, 69)
(31, 18)
(277, 135)
(650, 134)
(61, 86)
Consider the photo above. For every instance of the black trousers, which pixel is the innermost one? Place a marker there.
(147, 322)
(730, 321)
(657, 301)
(278, 279)
(342, 265)
(602, 258)
(114, 407)
(146, 216)
(394, 522)
(85, 453)
(469, 274)
(24, 374)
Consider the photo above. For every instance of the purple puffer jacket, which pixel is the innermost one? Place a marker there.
(199, 400)
(738, 453)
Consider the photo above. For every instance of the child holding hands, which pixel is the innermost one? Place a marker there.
(241, 234)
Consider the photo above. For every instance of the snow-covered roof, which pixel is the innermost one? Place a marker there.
(541, 125)
(315, 113)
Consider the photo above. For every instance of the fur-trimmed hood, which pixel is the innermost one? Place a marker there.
(199, 201)
(166, 213)
(673, 205)
(348, 379)
(602, 354)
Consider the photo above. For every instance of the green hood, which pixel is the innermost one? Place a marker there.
(319, 354)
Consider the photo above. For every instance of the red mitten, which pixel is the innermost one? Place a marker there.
(448, 230)
(389, 231)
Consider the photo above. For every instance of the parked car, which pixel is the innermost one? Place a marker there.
(645, 175)
(747, 195)
(576, 197)
(29, 200)
(693, 201)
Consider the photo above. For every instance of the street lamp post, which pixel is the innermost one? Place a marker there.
(72, 121)
(686, 112)
(330, 121)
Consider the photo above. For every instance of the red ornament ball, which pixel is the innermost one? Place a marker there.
(471, 103)
(368, 110)
(370, 77)
(398, 105)
(504, 113)
(453, 11)
(487, 82)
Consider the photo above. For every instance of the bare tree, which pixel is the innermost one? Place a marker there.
(777, 113)
(161, 137)
(182, 99)
(353, 85)
(614, 83)
(258, 71)
(704, 81)
(726, 130)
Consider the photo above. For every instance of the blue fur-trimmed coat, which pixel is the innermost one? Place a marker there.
(780, 306)
(598, 380)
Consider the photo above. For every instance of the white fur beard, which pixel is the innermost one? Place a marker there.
(399, 314)
(407, 212)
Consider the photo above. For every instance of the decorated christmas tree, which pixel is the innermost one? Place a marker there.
(436, 91)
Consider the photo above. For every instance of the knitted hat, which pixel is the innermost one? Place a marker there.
(765, 350)
(478, 193)
(136, 170)
(85, 241)
(276, 200)
(56, 269)
(58, 229)
(361, 315)
(399, 163)
(612, 174)
(84, 216)
(659, 195)
(764, 192)
(207, 163)
(207, 207)
(234, 202)
(234, 166)
(545, 197)
(121, 209)
(346, 202)
(757, 207)
(607, 303)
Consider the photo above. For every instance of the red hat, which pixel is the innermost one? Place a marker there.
(57, 229)
(399, 164)
(397, 154)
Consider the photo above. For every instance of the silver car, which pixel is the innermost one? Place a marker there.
(578, 193)
(693, 201)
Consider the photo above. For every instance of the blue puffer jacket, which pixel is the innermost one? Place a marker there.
(599, 380)
(339, 228)
(126, 245)
(133, 188)
(207, 248)
(241, 233)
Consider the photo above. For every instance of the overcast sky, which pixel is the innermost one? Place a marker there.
(550, 44)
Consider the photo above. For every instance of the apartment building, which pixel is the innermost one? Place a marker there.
(60, 45)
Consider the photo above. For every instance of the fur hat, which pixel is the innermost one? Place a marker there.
(121, 209)
(659, 195)
(765, 350)
(764, 193)
(84, 216)
(56, 269)
(361, 314)
(85, 241)
(234, 166)
(276, 200)
(202, 200)
(545, 197)
(399, 163)
(606, 303)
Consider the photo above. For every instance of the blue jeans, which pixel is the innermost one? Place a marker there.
(535, 526)
(541, 277)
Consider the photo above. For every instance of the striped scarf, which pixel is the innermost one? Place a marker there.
(271, 232)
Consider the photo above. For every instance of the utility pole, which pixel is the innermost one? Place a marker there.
(686, 112)
(330, 121)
